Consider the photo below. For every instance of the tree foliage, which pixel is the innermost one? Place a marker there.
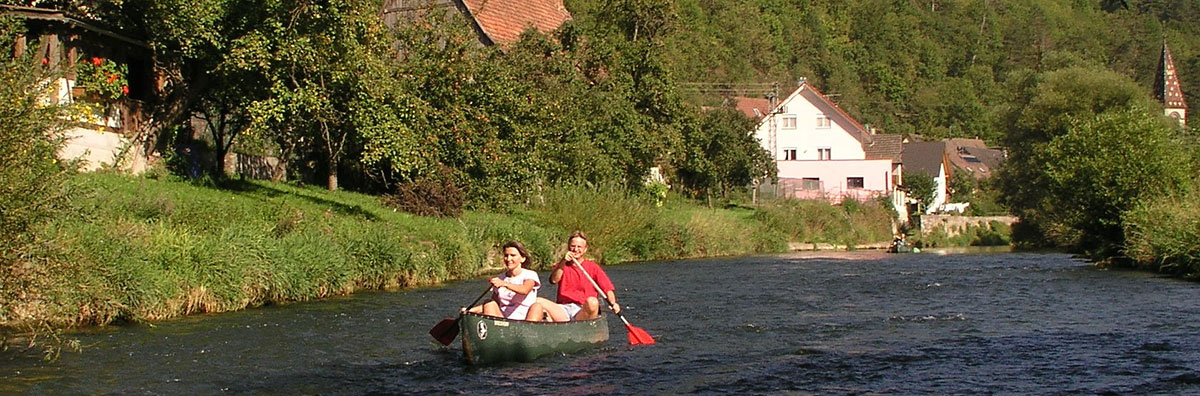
(922, 187)
(1105, 166)
(1084, 150)
(719, 153)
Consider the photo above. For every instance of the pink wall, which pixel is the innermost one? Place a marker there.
(876, 176)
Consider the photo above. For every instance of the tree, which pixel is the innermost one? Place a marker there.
(315, 55)
(962, 185)
(1058, 100)
(922, 187)
(1103, 167)
(719, 151)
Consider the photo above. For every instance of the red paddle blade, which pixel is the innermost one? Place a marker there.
(445, 331)
(638, 336)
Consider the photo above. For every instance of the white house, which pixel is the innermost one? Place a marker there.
(823, 152)
(930, 158)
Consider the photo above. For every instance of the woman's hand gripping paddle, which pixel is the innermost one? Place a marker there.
(637, 336)
(447, 330)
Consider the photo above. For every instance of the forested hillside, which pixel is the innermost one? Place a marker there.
(938, 68)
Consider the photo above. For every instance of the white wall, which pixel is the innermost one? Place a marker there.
(939, 197)
(94, 148)
(807, 137)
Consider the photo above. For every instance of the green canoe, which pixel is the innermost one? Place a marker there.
(489, 339)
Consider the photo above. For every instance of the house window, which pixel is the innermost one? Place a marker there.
(823, 121)
(854, 182)
(811, 183)
(824, 153)
(789, 122)
(789, 154)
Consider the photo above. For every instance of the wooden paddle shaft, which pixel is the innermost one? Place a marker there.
(598, 289)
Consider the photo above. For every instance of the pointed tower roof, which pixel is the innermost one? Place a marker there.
(1166, 82)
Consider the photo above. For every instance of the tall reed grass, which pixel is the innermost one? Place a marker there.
(1163, 235)
(812, 221)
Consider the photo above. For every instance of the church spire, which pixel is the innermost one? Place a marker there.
(1166, 87)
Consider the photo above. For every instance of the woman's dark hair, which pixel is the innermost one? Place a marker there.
(520, 250)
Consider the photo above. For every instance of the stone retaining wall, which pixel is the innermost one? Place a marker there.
(953, 225)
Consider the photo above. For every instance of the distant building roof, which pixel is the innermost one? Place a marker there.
(885, 146)
(755, 108)
(924, 157)
(498, 22)
(973, 156)
(502, 21)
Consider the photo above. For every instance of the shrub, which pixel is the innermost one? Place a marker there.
(32, 180)
(1161, 235)
(33, 190)
(434, 195)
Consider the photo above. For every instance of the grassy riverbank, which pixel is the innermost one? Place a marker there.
(137, 249)
(1162, 234)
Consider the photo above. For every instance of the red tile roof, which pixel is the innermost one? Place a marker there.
(502, 21)
(755, 108)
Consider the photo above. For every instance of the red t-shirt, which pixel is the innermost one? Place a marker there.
(574, 288)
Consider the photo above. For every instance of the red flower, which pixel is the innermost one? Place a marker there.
(97, 61)
(111, 78)
(125, 90)
(45, 61)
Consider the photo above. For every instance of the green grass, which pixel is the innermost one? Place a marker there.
(1162, 234)
(138, 249)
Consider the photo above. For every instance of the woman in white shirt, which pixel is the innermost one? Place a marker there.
(515, 290)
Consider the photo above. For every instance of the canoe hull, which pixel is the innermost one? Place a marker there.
(488, 339)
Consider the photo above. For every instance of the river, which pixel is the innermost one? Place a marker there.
(800, 323)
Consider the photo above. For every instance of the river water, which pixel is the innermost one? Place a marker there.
(802, 323)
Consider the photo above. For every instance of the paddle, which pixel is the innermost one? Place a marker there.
(636, 336)
(447, 330)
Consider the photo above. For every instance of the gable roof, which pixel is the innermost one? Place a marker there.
(502, 21)
(1166, 82)
(924, 157)
(497, 22)
(973, 156)
(853, 127)
(857, 130)
(885, 146)
(756, 108)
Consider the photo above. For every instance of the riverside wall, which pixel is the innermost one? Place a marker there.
(954, 224)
